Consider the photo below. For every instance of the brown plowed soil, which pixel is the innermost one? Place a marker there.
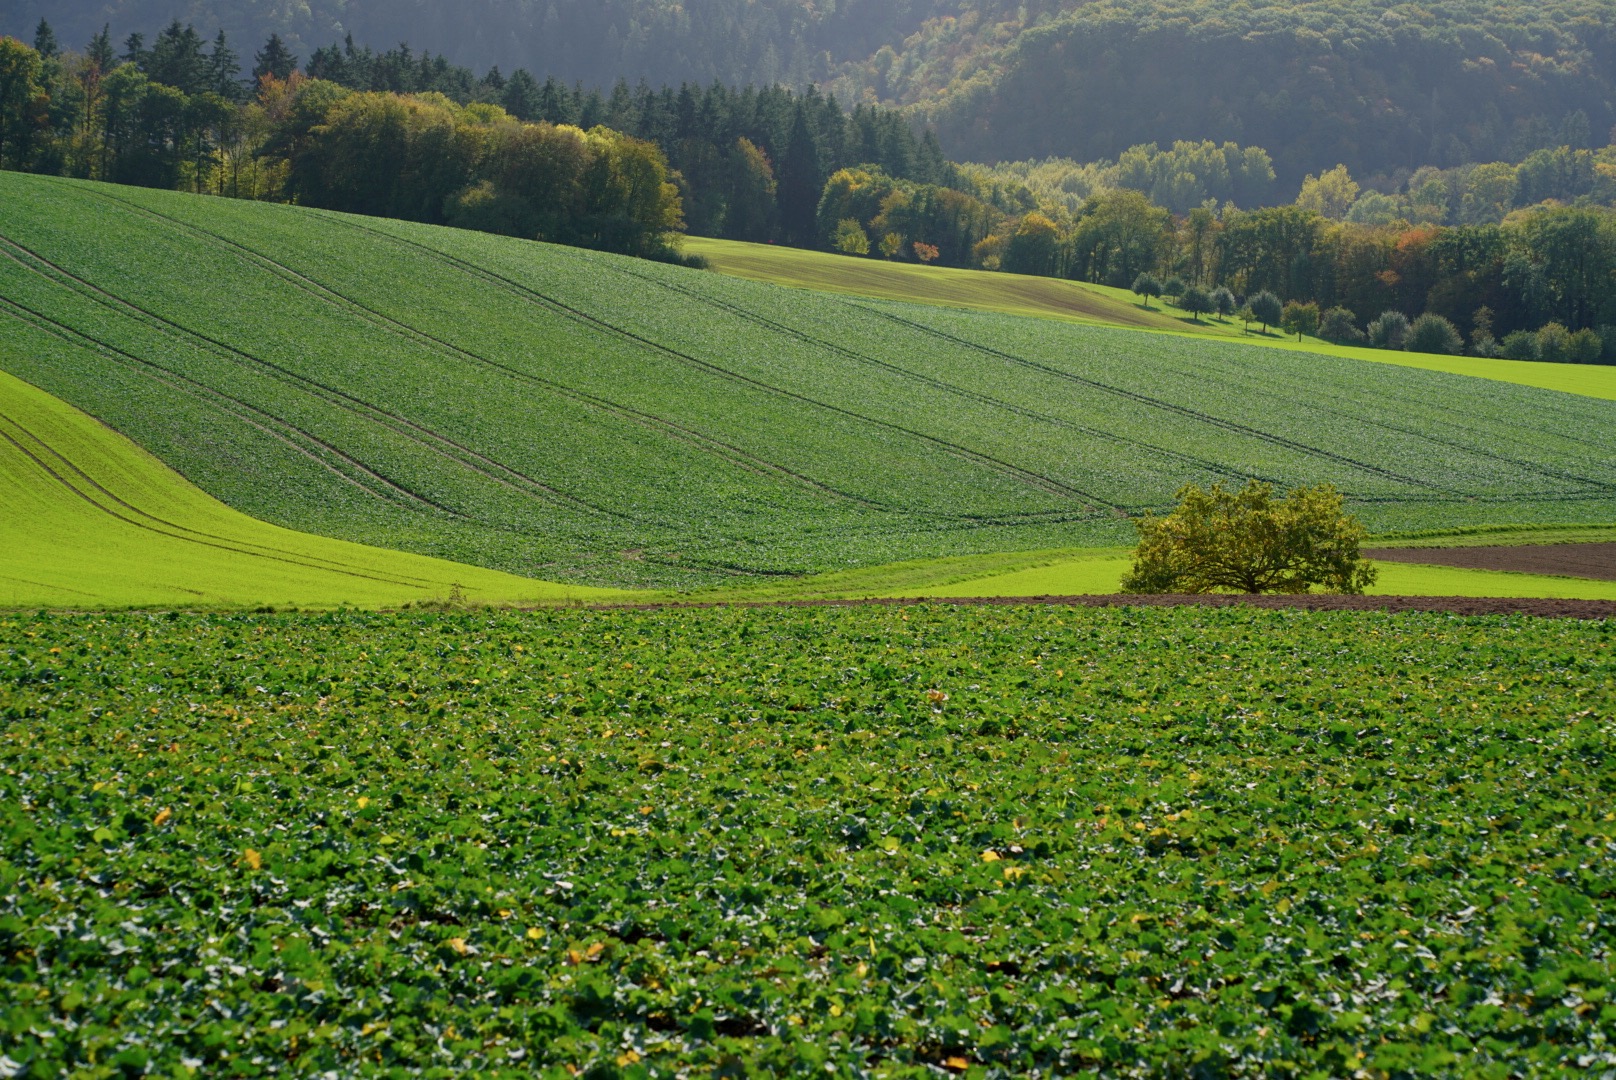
(1572, 560)
(1449, 605)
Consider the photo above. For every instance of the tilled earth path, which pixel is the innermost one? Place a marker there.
(1452, 605)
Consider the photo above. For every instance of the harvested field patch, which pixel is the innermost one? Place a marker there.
(1573, 560)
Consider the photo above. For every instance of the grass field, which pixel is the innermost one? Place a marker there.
(1091, 571)
(91, 520)
(885, 842)
(1083, 302)
(573, 416)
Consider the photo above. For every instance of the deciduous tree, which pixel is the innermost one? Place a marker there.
(1249, 542)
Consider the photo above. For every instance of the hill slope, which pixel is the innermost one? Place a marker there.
(1081, 301)
(92, 521)
(576, 416)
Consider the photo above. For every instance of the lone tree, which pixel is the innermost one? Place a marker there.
(1195, 300)
(1300, 319)
(1147, 285)
(1247, 541)
(1223, 302)
(1266, 309)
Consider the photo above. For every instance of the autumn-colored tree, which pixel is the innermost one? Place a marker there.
(850, 238)
(1247, 541)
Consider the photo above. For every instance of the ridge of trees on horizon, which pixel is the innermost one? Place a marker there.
(408, 135)
(1383, 86)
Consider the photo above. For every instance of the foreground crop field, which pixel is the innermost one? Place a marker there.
(898, 840)
(567, 415)
(91, 521)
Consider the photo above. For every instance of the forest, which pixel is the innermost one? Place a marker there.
(1381, 86)
(1510, 257)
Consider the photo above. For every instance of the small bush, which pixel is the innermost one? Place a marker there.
(1341, 326)
(1519, 345)
(1431, 333)
(1587, 347)
(1389, 330)
(1554, 344)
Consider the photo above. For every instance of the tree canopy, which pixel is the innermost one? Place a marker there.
(1248, 541)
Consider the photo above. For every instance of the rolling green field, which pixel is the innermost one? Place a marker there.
(92, 521)
(96, 523)
(863, 841)
(1084, 302)
(572, 416)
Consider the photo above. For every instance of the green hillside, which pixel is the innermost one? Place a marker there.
(92, 521)
(574, 416)
(1084, 302)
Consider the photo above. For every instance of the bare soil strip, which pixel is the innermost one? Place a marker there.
(1571, 560)
(1447, 605)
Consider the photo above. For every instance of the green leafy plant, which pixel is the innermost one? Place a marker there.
(1248, 541)
(880, 839)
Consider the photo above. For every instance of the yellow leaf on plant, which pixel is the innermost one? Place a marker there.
(628, 1057)
(364, 801)
(534, 933)
(253, 860)
(162, 817)
(991, 856)
(458, 944)
(957, 1063)
(596, 949)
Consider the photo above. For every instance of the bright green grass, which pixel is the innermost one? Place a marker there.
(830, 842)
(91, 520)
(569, 415)
(1100, 572)
(1083, 302)
(1098, 575)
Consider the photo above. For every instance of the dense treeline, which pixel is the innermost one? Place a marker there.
(762, 42)
(1380, 85)
(407, 134)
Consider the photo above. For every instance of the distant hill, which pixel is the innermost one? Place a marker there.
(1376, 85)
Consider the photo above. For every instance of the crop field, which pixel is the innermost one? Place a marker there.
(906, 840)
(572, 416)
(90, 520)
(1049, 298)
(981, 290)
